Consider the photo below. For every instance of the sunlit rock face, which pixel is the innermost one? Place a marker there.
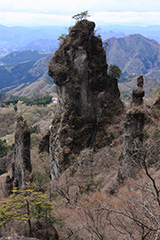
(88, 99)
(22, 164)
(130, 160)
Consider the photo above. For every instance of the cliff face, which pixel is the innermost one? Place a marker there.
(88, 99)
(22, 164)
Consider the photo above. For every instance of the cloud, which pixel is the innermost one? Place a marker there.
(34, 19)
(67, 7)
(60, 12)
(135, 18)
(101, 18)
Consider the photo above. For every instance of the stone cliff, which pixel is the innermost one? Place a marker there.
(88, 99)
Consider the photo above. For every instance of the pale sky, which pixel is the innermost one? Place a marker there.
(60, 12)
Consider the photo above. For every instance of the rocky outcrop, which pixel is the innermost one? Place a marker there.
(8, 186)
(88, 99)
(130, 160)
(22, 164)
(44, 143)
(138, 94)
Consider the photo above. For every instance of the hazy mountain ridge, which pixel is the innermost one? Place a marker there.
(27, 67)
(17, 38)
(18, 57)
(41, 38)
(45, 45)
(134, 54)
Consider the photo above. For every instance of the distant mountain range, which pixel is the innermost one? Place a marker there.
(22, 38)
(25, 73)
(45, 38)
(135, 55)
(18, 70)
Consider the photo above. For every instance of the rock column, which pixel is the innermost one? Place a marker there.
(130, 158)
(22, 163)
(88, 99)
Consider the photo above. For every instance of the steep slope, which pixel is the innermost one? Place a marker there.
(20, 69)
(18, 57)
(134, 54)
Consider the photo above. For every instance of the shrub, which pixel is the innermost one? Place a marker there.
(81, 16)
(2, 171)
(3, 148)
(25, 205)
(114, 71)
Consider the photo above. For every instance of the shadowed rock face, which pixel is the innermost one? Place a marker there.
(88, 98)
(138, 94)
(22, 164)
(44, 144)
(130, 159)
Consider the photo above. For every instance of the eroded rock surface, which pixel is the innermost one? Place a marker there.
(130, 160)
(138, 93)
(22, 164)
(44, 143)
(88, 99)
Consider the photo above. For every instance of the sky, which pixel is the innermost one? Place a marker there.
(59, 12)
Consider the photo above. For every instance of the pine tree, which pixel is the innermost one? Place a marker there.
(25, 205)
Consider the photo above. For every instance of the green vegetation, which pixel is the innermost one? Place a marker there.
(3, 170)
(105, 45)
(34, 129)
(3, 148)
(114, 71)
(156, 91)
(61, 37)
(81, 16)
(36, 101)
(25, 205)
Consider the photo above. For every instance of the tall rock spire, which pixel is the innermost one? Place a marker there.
(88, 99)
(130, 159)
(22, 164)
(138, 93)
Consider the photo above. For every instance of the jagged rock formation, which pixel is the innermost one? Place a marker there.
(44, 143)
(8, 186)
(130, 159)
(138, 94)
(88, 99)
(22, 165)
